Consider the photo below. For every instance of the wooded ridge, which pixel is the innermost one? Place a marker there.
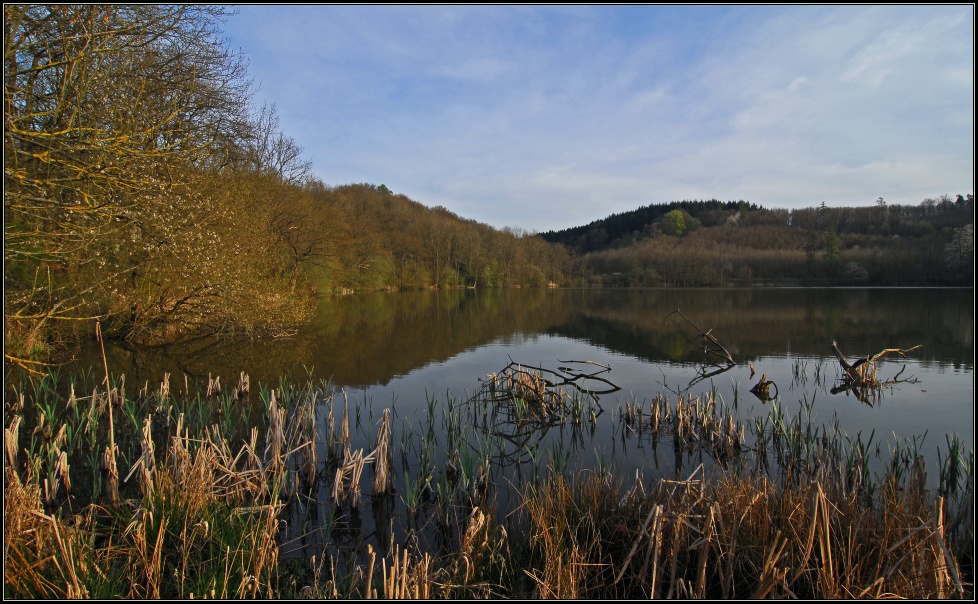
(713, 243)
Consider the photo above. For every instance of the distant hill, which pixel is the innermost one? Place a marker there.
(618, 229)
(714, 243)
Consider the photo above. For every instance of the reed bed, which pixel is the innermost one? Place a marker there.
(736, 538)
(181, 494)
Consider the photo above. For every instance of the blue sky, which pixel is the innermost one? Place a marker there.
(544, 118)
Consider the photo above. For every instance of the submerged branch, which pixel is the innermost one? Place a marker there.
(566, 376)
(860, 377)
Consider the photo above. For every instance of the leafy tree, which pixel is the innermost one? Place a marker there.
(673, 224)
(202, 260)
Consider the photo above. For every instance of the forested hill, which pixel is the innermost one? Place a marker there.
(365, 237)
(144, 190)
(712, 243)
(626, 226)
(679, 217)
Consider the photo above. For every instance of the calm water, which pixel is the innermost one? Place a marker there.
(401, 347)
(402, 350)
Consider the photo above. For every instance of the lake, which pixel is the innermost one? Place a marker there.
(403, 346)
(424, 354)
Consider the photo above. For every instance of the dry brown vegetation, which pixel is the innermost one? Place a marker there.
(796, 514)
(737, 538)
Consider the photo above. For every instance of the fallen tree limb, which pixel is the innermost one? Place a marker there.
(536, 398)
(605, 367)
(762, 389)
(868, 358)
(567, 376)
(860, 376)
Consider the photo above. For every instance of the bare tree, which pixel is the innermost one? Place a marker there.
(106, 107)
(274, 153)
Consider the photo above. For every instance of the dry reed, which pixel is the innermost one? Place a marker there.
(383, 458)
(206, 517)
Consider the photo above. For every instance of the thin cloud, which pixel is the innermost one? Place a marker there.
(552, 117)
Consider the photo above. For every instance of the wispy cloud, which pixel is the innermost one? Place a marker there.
(551, 117)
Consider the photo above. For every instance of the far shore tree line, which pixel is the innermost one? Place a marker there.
(144, 189)
(714, 243)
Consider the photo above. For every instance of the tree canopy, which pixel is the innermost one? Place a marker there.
(142, 188)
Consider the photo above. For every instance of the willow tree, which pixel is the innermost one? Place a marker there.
(110, 114)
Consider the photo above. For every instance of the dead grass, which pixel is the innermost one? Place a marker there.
(735, 538)
(204, 519)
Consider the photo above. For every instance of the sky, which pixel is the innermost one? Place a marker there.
(541, 118)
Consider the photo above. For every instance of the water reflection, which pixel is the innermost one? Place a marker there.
(408, 348)
(370, 339)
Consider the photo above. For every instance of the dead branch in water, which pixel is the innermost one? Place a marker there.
(566, 376)
(762, 389)
(860, 376)
(711, 346)
(868, 358)
(536, 398)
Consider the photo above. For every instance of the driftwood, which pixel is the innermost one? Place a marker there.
(711, 346)
(529, 383)
(762, 389)
(533, 399)
(863, 369)
(861, 377)
(868, 358)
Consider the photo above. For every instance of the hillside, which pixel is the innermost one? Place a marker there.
(623, 228)
(365, 237)
(144, 190)
(713, 243)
